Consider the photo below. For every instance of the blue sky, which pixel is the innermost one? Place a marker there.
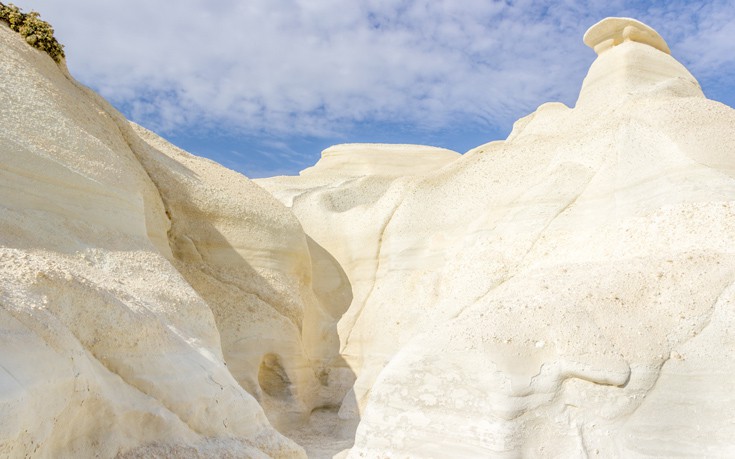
(262, 86)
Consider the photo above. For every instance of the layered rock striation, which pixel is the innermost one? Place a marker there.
(566, 292)
(152, 302)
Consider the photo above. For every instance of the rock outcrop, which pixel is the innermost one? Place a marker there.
(566, 292)
(150, 299)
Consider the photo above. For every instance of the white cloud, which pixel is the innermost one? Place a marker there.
(709, 47)
(316, 67)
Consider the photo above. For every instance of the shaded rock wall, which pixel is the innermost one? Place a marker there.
(145, 293)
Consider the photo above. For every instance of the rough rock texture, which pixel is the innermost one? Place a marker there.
(149, 298)
(567, 292)
(564, 293)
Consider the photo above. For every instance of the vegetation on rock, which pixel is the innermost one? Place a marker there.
(37, 32)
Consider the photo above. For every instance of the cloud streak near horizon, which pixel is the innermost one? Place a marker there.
(275, 69)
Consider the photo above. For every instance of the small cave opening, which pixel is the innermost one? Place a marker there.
(272, 377)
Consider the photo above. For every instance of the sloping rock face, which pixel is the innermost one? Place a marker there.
(149, 299)
(564, 293)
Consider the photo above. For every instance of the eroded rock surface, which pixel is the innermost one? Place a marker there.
(148, 297)
(556, 294)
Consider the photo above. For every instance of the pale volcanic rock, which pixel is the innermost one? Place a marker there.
(592, 251)
(360, 159)
(106, 349)
(639, 66)
(566, 292)
(247, 256)
(352, 192)
(611, 32)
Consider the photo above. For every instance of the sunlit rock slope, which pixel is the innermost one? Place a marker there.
(151, 302)
(567, 292)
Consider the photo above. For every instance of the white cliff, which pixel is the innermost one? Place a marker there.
(564, 293)
(150, 299)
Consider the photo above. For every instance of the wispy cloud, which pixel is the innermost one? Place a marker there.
(320, 67)
(708, 47)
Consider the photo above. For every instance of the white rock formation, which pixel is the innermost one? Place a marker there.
(149, 299)
(567, 292)
(391, 160)
(564, 293)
